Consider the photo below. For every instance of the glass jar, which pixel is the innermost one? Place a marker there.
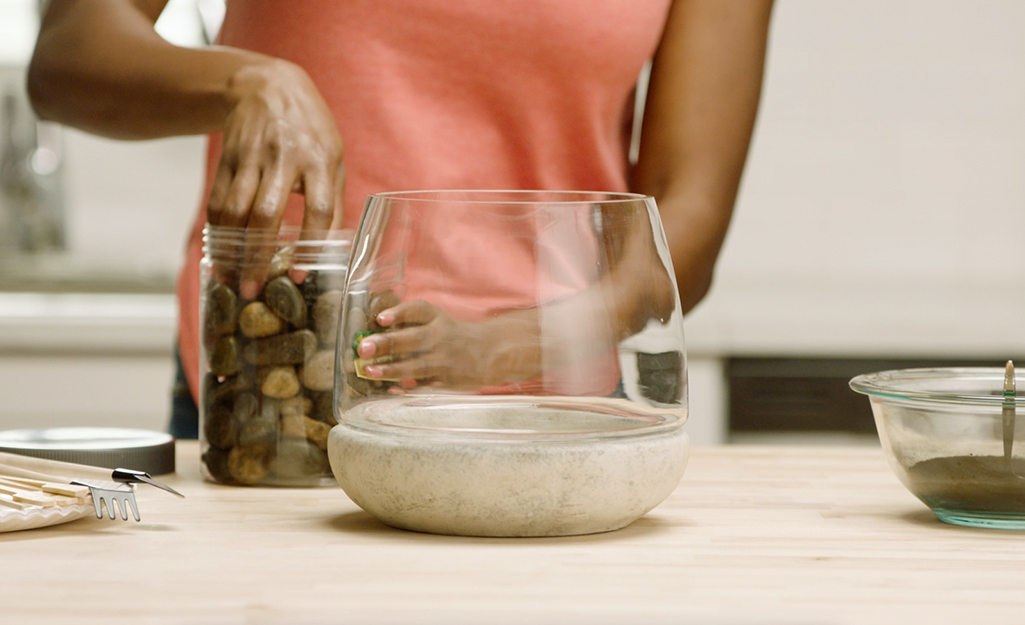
(267, 360)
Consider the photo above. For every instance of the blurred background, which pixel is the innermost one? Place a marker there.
(880, 225)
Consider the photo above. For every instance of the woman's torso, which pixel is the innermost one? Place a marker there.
(454, 94)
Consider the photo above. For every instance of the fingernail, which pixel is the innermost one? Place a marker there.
(367, 348)
(249, 289)
(385, 319)
(407, 383)
(372, 371)
(297, 276)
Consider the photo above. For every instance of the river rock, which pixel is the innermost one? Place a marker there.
(299, 426)
(298, 458)
(257, 320)
(355, 322)
(249, 464)
(284, 298)
(216, 462)
(317, 432)
(298, 405)
(280, 382)
(259, 429)
(325, 316)
(224, 357)
(245, 407)
(280, 262)
(219, 427)
(323, 407)
(217, 389)
(292, 426)
(220, 314)
(292, 348)
(318, 373)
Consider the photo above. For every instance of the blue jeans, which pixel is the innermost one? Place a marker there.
(184, 413)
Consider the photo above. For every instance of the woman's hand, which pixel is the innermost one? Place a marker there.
(279, 138)
(428, 346)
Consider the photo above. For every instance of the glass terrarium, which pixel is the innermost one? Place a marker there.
(509, 363)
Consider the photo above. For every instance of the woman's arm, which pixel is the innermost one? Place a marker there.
(702, 100)
(100, 66)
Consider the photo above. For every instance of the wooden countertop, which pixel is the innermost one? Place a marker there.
(752, 535)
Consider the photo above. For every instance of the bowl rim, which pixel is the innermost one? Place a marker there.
(885, 384)
(657, 423)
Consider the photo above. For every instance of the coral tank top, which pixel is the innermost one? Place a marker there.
(451, 94)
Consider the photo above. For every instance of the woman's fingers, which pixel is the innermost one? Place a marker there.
(318, 211)
(400, 343)
(233, 194)
(339, 195)
(320, 206)
(416, 312)
(279, 138)
(420, 367)
(420, 345)
(264, 217)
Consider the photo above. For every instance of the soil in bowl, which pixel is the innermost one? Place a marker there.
(971, 483)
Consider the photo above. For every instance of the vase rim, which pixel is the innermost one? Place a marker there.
(511, 196)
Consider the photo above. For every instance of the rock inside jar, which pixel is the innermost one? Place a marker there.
(267, 395)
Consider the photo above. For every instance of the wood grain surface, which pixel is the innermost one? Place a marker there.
(752, 535)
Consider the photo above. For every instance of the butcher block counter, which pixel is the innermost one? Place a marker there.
(752, 535)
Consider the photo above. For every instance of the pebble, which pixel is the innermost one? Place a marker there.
(219, 428)
(325, 316)
(284, 298)
(221, 310)
(280, 262)
(292, 426)
(257, 320)
(259, 429)
(292, 348)
(297, 458)
(249, 464)
(298, 405)
(216, 389)
(300, 426)
(318, 373)
(216, 463)
(223, 420)
(324, 408)
(356, 321)
(280, 382)
(317, 432)
(223, 358)
(245, 407)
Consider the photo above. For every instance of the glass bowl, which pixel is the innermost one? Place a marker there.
(509, 363)
(953, 439)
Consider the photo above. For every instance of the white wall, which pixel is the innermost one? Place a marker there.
(890, 146)
(135, 200)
